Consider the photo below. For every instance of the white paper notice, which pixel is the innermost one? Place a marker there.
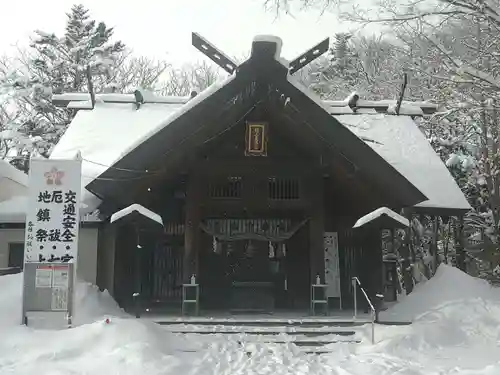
(60, 277)
(59, 299)
(43, 277)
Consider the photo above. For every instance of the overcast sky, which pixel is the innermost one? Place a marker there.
(162, 28)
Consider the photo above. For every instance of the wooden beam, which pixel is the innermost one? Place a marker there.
(309, 56)
(213, 53)
(402, 93)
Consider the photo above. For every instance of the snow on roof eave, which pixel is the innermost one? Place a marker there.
(174, 116)
(279, 44)
(84, 104)
(139, 209)
(380, 103)
(378, 213)
(271, 39)
(427, 207)
(397, 139)
(71, 97)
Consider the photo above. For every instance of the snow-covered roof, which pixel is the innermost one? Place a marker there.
(139, 209)
(378, 213)
(104, 134)
(13, 182)
(10, 172)
(117, 125)
(111, 130)
(399, 141)
(379, 106)
(118, 98)
(396, 138)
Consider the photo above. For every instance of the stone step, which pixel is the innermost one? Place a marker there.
(268, 322)
(264, 331)
(301, 342)
(304, 346)
(306, 339)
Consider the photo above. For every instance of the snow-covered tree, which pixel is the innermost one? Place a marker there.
(53, 64)
(189, 77)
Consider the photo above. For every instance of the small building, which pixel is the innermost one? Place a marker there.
(256, 180)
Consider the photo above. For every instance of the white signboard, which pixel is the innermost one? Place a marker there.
(332, 270)
(52, 217)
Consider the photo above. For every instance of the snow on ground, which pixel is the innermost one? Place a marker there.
(456, 330)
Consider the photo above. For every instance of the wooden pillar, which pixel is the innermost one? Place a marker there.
(192, 228)
(434, 244)
(459, 244)
(406, 254)
(317, 229)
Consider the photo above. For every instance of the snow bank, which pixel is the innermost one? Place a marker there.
(448, 287)
(91, 304)
(456, 330)
(10, 300)
(124, 346)
(456, 325)
(121, 347)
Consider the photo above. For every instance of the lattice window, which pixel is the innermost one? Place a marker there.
(283, 188)
(229, 188)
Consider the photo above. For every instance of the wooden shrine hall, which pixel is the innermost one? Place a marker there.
(258, 183)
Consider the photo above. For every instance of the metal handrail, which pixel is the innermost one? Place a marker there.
(355, 283)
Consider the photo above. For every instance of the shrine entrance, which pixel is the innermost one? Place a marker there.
(251, 265)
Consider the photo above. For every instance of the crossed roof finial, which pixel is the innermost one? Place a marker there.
(226, 63)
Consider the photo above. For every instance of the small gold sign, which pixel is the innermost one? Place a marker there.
(256, 139)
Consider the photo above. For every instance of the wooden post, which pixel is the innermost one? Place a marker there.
(406, 253)
(434, 244)
(192, 228)
(317, 229)
(459, 245)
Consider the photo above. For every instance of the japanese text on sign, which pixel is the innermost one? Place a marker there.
(256, 139)
(53, 211)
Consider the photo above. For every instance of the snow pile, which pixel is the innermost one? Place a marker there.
(456, 324)
(90, 303)
(11, 288)
(121, 347)
(456, 330)
(230, 357)
(449, 287)
(124, 346)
